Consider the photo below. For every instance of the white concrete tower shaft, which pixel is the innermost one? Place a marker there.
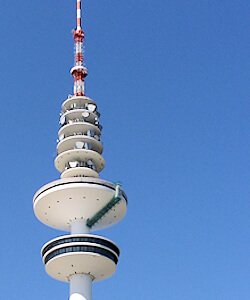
(80, 287)
(79, 227)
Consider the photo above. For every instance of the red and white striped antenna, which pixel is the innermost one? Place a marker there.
(78, 15)
(79, 72)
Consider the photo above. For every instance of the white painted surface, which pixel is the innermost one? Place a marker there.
(64, 265)
(79, 171)
(80, 287)
(81, 155)
(69, 143)
(78, 114)
(79, 100)
(70, 129)
(79, 227)
(59, 205)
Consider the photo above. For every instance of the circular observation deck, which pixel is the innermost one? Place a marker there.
(80, 254)
(64, 201)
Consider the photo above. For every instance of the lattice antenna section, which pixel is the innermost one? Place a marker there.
(79, 72)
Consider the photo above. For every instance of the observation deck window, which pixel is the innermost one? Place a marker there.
(86, 239)
(92, 249)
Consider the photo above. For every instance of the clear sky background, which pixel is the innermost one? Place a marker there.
(171, 79)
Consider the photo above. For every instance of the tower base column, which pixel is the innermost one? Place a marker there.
(80, 287)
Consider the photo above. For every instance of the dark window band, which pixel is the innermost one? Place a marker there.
(93, 249)
(82, 239)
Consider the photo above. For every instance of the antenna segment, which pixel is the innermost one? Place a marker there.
(78, 12)
(79, 72)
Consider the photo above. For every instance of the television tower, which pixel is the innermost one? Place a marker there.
(80, 202)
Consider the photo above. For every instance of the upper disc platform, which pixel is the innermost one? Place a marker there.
(64, 201)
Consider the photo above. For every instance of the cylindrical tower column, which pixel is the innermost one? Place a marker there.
(79, 227)
(80, 287)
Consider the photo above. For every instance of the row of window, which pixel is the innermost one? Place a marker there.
(92, 249)
(88, 239)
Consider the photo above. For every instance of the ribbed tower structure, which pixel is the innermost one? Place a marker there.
(80, 202)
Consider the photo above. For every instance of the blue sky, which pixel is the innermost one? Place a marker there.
(171, 79)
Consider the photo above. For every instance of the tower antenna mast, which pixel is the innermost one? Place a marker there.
(79, 72)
